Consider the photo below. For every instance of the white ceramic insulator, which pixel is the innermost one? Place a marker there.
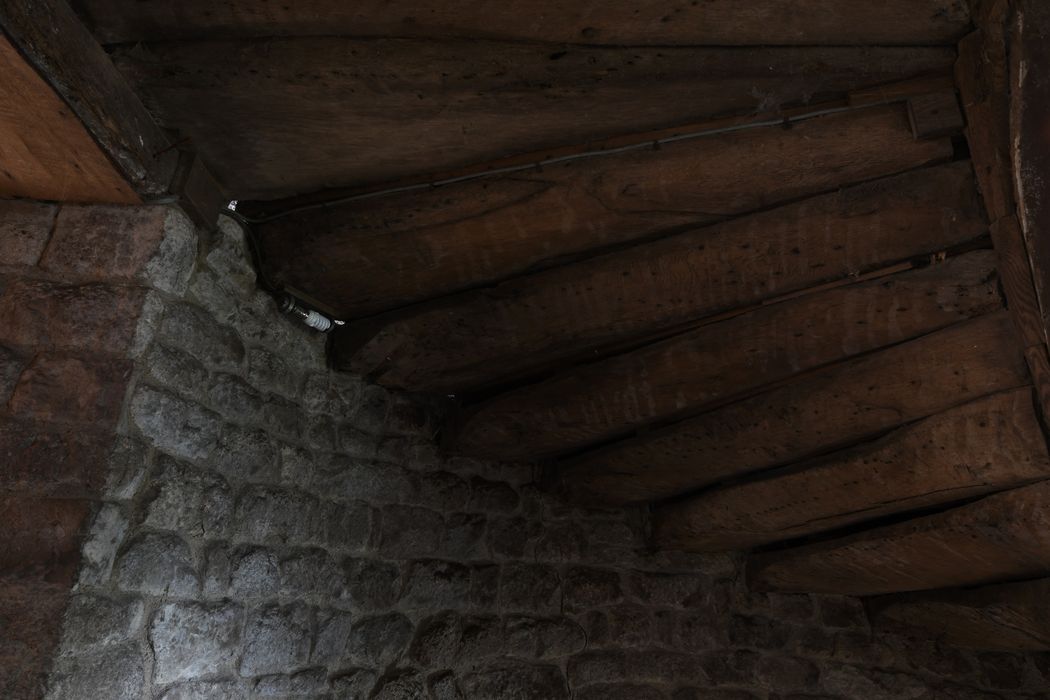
(317, 321)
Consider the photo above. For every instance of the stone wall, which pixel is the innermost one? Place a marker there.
(269, 528)
(73, 281)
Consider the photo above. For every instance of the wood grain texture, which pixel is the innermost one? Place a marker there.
(1004, 617)
(987, 445)
(45, 152)
(275, 117)
(536, 320)
(663, 381)
(61, 49)
(935, 115)
(813, 414)
(416, 246)
(660, 22)
(1001, 537)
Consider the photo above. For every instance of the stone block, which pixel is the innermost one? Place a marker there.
(443, 491)
(492, 496)
(354, 684)
(532, 588)
(310, 573)
(175, 426)
(185, 499)
(207, 690)
(543, 637)
(235, 399)
(465, 536)
(269, 372)
(193, 330)
(91, 317)
(311, 683)
(597, 666)
(158, 564)
(276, 640)
(588, 587)
(620, 691)
(114, 673)
(191, 640)
(400, 684)
(450, 639)
(369, 584)
(25, 228)
(508, 679)
(71, 389)
(679, 590)
(100, 547)
(177, 370)
(436, 585)
(378, 640)
(409, 531)
(333, 634)
(246, 454)
(268, 515)
(44, 459)
(41, 536)
(151, 245)
(93, 622)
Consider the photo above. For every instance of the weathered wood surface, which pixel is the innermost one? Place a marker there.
(690, 372)
(901, 90)
(813, 414)
(282, 116)
(535, 320)
(61, 49)
(416, 246)
(1004, 617)
(1029, 90)
(659, 22)
(987, 445)
(1001, 537)
(45, 152)
(935, 115)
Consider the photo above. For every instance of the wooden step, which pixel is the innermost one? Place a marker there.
(539, 319)
(987, 445)
(824, 410)
(998, 538)
(1005, 617)
(659, 22)
(611, 398)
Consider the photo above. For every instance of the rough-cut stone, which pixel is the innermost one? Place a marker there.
(207, 690)
(235, 399)
(268, 371)
(309, 683)
(178, 427)
(177, 370)
(71, 389)
(271, 515)
(504, 680)
(543, 638)
(192, 641)
(90, 317)
(115, 673)
(246, 454)
(492, 496)
(587, 587)
(99, 550)
(400, 684)
(529, 588)
(25, 228)
(186, 499)
(433, 584)
(408, 531)
(333, 634)
(158, 565)
(195, 331)
(93, 622)
(379, 640)
(11, 366)
(354, 684)
(370, 584)
(310, 573)
(276, 640)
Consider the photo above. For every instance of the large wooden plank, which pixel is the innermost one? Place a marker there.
(283, 116)
(811, 415)
(1005, 617)
(999, 538)
(610, 398)
(987, 445)
(659, 22)
(57, 44)
(534, 320)
(45, 152)
(415, 246)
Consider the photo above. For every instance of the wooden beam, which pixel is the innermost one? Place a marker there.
(999, 538)
(1006, 617)
(935, 115)
(285, 116)
(45, 152)
(61, 49)
(987, 445)
(416, 246)
(685, 374)
(814, 414)
(660, 22)
(540, 319)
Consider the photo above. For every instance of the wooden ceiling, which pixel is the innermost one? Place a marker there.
(745, 263)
